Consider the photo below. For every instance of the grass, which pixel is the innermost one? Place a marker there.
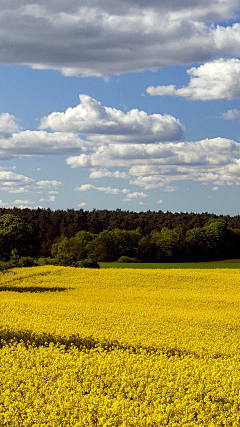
(233, 263)
(229, 263)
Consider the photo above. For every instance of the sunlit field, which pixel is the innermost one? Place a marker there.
(120, 347)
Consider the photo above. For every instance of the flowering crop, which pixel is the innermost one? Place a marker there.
(125, 348)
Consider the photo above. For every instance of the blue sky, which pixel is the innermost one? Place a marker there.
(126, 104)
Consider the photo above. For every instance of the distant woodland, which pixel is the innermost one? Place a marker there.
(70, 236)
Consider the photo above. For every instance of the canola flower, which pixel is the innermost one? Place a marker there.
(119, 348)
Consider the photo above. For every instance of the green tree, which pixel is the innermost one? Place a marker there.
(217, 238)
(105, 246)
(80, 245)
(16, 235)
(169, 244)
(196, 244)
(146, 251)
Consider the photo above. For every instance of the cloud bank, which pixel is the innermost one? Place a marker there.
(101, 37)
(214, 161)
(96, 124)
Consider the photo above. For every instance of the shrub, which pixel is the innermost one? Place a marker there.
(26, 261)
(126, 259)
(4, 266)
(90, 262)
(67, 260)
(47, 261)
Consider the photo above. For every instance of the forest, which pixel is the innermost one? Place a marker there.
(68, 237)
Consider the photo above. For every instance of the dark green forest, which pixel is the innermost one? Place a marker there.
(71, 236)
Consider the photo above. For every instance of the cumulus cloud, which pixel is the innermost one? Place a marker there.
(82, 205)
(102, 37)
(121, 155)
(4, 204)
(135, 195)
(230, 114)
(10, 179)
(18, 190)
(16, 143)
(104, 124)
(161, 165)
(8, 125)
(108, 190)
(219, 79)
(99, 125)
(23, 202)
(105, 173)
(160, 201)
(35, 143)
(27, 207)
(48, 184)
(14, 183)
(50, 199)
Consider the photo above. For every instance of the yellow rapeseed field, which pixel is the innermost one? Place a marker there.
(112, 347)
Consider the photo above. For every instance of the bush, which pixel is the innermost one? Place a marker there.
(90, 262)
(127, 259)
(26, 261)
(47, 261)
(4, 266)
(67, 260)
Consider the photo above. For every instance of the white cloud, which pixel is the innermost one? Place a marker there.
(82, 204)
(230, 114)
(105, 173)
(104, 124)
(48, 184)
(18, 190)
(11, 179)
(135, 195)
(161, 165)
(53, 192)
(115, 37)
(108, 190)
(169, 90)
(160, 201)
(142, 204)
(50, 199)
(215, 188)
(219, 79)
(26, 207)
(40, 142)
(8, 167)
(8, 125)
(169, 189)
(4, 205)
(120, 155)
(19, 201)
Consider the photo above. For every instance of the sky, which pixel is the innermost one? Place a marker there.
(130, 105)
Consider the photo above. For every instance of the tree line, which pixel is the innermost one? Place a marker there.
(47, 225)
(214, 240)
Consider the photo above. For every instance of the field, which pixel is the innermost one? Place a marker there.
(120, 347)
(231, 263)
